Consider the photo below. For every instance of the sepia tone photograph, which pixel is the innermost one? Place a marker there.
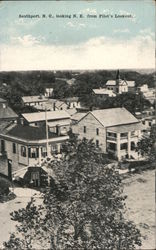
(77, 125)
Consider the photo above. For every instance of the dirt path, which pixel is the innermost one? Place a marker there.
(140, 202)
(6, 225)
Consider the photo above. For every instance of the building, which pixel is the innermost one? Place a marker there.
(148, 119)
(6, 113)
(57, 120)
(34, 100)
(25, 146)
(148, 93)
(51, 105)
(103, 93)
(72, 102)
(120, 86)
(48, 92)
(115, 131)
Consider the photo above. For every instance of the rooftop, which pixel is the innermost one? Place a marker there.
(103, 91)
(29, 132)
(111, 82)
(7, 112)
(78, 116)
(51, 115)
(126, 128)
(114, 116)
(39, 98)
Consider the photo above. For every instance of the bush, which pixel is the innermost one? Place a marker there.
(4, 187)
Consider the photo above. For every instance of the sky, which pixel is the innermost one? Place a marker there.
(91, 35)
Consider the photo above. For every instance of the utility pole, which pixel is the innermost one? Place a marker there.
(47, 136)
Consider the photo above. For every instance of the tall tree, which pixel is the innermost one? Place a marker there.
(147, 145)
(84, 208)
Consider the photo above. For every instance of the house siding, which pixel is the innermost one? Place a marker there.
(91, 124)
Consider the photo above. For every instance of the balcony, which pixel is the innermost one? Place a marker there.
(111, 138)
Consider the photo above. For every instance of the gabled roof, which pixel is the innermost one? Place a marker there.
(7, 112)
(30, 99)
(51, 115)
(113, 116)
(78, 116)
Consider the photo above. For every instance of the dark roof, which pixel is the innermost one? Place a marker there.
(7, 112)
(30, 133)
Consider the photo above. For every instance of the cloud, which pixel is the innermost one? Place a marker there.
(121, 31)
(96, 53)
(89, 11)
(146, 31)
(27, 40)
(76, 25)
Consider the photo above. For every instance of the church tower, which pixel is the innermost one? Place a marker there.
(117, 77)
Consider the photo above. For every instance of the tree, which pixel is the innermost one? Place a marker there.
(147, 145)
(83, 209)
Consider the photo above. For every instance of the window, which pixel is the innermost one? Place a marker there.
(97, 143)
(33, 152)
(133, 146)
(14, 148)
(123, 146)
(44, 152)
(84, 129)
(97, 131)
(112, 134)
(54, 148)
(112, 146)
(150, 124)
(143, 122)
(123, 135)
(23, 151)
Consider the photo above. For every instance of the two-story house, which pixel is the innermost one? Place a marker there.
(115, 131)
(25, 146)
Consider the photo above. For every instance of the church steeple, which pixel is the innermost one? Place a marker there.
(118, 75)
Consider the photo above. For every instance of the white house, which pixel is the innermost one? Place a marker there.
(26, 146)
(115, 131)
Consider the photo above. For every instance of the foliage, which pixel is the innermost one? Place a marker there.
(84, 208)
(147, 145)
(130, 101)
(4, 187)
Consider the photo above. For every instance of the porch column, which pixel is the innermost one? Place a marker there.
(39, 155)
(118, 147)
(129, 144)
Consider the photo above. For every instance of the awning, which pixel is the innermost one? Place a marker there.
(126, 128)
(20, 173)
